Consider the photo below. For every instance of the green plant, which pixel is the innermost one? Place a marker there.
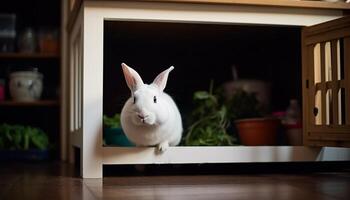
(112, 122)
(18, 137)
(243, 105)
(210, 121)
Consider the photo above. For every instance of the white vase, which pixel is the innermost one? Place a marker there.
(26, 85)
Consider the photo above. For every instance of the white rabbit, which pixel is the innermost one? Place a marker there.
(150, 117)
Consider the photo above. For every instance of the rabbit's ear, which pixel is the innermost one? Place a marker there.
(162, 78)
(132, 78)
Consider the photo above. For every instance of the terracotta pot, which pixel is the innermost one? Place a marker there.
(258, 131)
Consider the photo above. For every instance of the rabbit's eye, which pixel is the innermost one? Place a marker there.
(134, 99)
(155, 99)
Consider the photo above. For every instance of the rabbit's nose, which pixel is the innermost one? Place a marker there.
(142, 116)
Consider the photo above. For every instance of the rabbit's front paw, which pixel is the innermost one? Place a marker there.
(162, 147)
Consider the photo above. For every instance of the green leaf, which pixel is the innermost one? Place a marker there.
(201, 95)
(22, 138)
(112, 122)
(40, 140)
(26, 140)
(17, 137)
(209, 121)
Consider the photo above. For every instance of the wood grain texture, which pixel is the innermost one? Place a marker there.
(323, 80)
(332, 134)
(347, 78)
(331, 30)
(335, 87)
(308, 93)
(57, 181)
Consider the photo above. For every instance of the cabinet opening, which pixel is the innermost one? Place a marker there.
(201, 54)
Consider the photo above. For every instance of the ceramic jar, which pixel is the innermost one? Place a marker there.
(26, 85)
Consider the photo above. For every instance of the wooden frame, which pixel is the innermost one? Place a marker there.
(74, 5)
(88, 134)
(325, 128)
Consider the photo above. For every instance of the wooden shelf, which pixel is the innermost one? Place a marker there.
(279, 3)
(222, 154)
(34, 103)
(307, 4)
(28, 55)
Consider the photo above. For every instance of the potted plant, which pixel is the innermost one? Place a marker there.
(209, 121)
(253, 128)
(113, 133)
(19, 142)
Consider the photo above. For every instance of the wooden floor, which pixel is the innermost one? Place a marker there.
(57, 181)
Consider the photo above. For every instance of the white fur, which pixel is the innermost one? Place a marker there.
(163, 125)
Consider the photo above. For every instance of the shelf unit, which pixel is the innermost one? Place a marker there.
(44, 17)
(28, 55)
(85, 98)
(27, 104)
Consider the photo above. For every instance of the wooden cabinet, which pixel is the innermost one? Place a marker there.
(84, 96)
(326, 83)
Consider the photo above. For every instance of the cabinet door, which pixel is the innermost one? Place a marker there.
(326, 83)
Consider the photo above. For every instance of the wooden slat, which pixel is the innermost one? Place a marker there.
(310, 67)
(323, 80)
(73, 14)
(75, 138)
(324, 37)
(330, 85)
(319, 86)
(80, 77)
(334, 129)
(330, 137)
(76, 81)
(335, 87)
(306, 82)
(347, 78)
(321, 32)
(342, 84)
(325, 27)
(318, 143)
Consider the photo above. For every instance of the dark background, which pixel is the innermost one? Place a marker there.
(201, 52)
